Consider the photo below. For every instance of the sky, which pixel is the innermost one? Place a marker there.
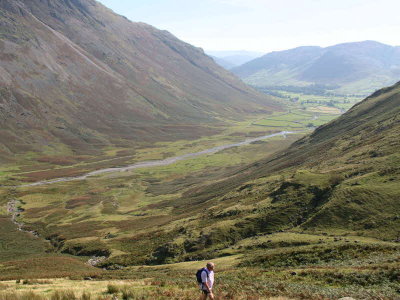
(267, 25)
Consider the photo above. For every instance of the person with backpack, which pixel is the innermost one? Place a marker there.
(205, 279)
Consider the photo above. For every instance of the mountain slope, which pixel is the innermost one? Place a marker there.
(343, 177)
(352, 68)
(75, 75)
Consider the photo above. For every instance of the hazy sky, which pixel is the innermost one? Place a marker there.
(267, 25)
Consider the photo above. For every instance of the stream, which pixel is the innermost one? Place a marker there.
(156, 163)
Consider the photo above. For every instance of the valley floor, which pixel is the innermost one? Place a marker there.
(149, 230)
(53, 163)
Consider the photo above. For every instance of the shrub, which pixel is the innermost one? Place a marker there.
(318, 255)
(112, 289)
(34, 281)
(336, 179)
(127, 294)
(86, 296)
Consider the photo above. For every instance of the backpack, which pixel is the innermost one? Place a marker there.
(198, 275)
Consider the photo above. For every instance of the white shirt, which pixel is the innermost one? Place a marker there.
(209, 279)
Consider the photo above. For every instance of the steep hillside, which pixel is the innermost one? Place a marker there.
(342, 178)
(358, 67)
(76, 77)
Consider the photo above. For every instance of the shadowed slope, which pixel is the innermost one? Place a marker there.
(74, 73)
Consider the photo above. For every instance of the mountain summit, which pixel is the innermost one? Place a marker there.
(75, 74)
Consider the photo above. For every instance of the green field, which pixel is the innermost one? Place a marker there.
(307, 111)
(296, 120)
(306, 101)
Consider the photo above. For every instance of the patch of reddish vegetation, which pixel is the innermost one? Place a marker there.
(81, 229)
(38, 212)
(81, 201)
(47, 267)
(141, 223)
(126, 153)
(61, 160)
(98, 191)
(39, 175)
(261, 133)
(51, 174)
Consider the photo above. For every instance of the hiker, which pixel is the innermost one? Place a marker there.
(205, 278)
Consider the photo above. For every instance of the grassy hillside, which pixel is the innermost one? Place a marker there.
(352, 68)
(317, 220)
(76, 79)
(341, 178)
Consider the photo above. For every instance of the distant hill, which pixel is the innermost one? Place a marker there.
(360, 67)
(223, 63)
(231, 59)
(76, 77)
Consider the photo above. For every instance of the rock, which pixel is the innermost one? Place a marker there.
(109, 236)
(95, 260)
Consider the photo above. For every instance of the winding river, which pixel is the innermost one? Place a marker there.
(155, 163)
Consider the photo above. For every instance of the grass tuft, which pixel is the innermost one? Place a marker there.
(112, 289)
